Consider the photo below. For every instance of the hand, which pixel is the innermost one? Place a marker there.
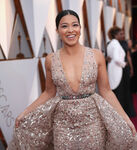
(132, 127)
(108, 59)
(18, 119)
(121, 64)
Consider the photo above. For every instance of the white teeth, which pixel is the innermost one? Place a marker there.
(71, 36)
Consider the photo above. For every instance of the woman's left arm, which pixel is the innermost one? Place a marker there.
(106, 92)
(130, 63)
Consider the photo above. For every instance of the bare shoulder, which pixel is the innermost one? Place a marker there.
(48, 60)
(49, 56)
(98, 56)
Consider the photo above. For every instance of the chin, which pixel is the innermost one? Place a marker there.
(72, 43)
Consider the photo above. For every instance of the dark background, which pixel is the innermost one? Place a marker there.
(134, 20)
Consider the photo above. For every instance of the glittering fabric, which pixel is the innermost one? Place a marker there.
(76, 124)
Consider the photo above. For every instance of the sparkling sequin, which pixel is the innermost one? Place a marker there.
(89, 123)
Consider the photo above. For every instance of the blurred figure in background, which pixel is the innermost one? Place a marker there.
(126, 46)
(134, 62)
(117, 71)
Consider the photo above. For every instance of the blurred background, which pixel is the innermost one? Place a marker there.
(28, 34)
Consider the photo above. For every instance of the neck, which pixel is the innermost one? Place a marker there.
(72, 50)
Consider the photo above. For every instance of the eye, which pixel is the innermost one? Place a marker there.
(75, 24)
(64, 26)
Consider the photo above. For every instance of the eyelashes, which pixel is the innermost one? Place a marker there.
(76, 25)
(64, 26)
(73, 25)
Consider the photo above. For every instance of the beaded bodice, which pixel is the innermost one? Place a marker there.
(88, 77)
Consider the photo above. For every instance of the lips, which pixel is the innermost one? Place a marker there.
(71, 36)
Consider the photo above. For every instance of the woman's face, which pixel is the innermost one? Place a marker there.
(69, 30)
(118, 36)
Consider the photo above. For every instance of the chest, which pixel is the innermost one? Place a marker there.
(72, 68)
(74, 73)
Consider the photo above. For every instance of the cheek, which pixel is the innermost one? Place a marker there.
(79, 32)
(61, 34)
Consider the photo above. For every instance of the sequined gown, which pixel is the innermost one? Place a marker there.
(88, 123)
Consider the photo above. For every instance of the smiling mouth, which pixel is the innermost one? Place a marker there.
(71, 36)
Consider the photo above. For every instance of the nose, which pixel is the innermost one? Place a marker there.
(70, 29)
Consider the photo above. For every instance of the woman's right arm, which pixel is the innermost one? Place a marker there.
(49, 92)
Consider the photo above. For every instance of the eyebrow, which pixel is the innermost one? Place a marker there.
(72, 22)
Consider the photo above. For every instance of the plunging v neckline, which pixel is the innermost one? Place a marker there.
(65, 76)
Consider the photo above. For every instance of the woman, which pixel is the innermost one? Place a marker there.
(134, 61)
(77, 118)
(118, 71)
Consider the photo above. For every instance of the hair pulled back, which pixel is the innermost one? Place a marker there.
(64, 13)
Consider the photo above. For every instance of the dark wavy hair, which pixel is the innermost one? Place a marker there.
(113, 32)
(64, 13)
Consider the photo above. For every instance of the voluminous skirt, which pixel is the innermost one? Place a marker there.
(89, 123)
